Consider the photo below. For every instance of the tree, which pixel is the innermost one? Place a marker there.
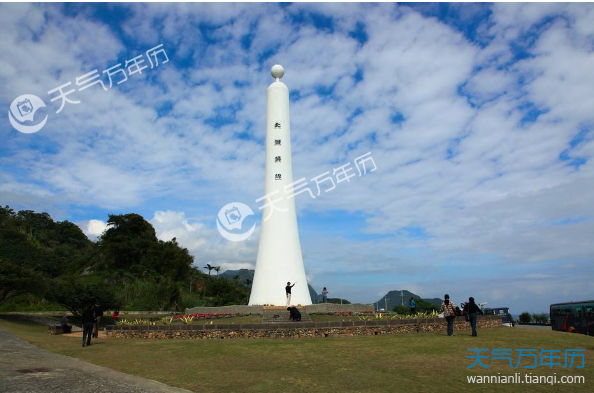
(403, 310)
(130, 246)
(540, 318)
(76, 295)
(217, 269)
(168, 259)
(209, 267)
(17, 280)
(525, 317)
(35, 241)
(248, 282)
(224, 292)
(425, 306)
(421, 306)
(126, 241)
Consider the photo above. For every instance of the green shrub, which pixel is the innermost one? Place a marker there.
(540, 318)
(525, 317)
(187, 320)
(402, 310)
(150, 295)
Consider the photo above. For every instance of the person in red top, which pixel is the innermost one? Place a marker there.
(115, 316)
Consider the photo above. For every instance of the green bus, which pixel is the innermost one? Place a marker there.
(573, 317)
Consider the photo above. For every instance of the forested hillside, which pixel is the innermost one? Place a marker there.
(46, 264)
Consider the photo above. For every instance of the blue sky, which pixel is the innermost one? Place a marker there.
(478, 117)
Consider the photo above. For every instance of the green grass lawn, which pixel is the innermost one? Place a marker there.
(428, 362)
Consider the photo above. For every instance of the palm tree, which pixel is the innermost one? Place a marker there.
(248, 282)
(236, 278)
(217, 268)
(209, 267)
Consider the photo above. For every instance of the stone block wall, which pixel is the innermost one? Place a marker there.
(323, 308)
(296, 329)
(237, 309)
(311, 309)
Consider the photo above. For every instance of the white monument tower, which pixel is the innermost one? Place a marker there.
(279, 253)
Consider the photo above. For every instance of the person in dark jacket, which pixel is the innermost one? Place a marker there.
(295, 315)
(288, 292)
(98, 310)
(88, 322)
(473, 311)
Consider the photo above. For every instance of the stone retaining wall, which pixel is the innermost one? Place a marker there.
(323, 308)
(297, 329)
(237, 309)
(311, 309)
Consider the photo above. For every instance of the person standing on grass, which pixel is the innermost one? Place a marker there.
(98, 310)
(413, 306)
(115, 316)
(288, 291)
(473, 311)
(88, 322)
(449, 313)
(325, 295)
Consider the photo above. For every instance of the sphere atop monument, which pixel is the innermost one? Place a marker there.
(277, 71)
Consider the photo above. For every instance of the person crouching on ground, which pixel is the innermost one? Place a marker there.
(449, 313)
(473, 310)
(294, 314)
(66, 328)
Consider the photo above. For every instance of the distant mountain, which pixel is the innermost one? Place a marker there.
(313, 294)
(336, 300)
(401, 297)
(249, 274)
(435, 301)
(244, 274)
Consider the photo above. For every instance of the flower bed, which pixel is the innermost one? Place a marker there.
(350, 313)
(207, 316)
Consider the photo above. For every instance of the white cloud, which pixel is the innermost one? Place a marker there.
(204, 242)
(445, 119)
(93, 228)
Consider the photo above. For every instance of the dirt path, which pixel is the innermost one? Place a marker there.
(27, 368)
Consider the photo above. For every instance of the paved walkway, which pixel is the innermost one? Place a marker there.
(25, 368)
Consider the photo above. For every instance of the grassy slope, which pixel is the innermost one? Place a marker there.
(398, 363)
